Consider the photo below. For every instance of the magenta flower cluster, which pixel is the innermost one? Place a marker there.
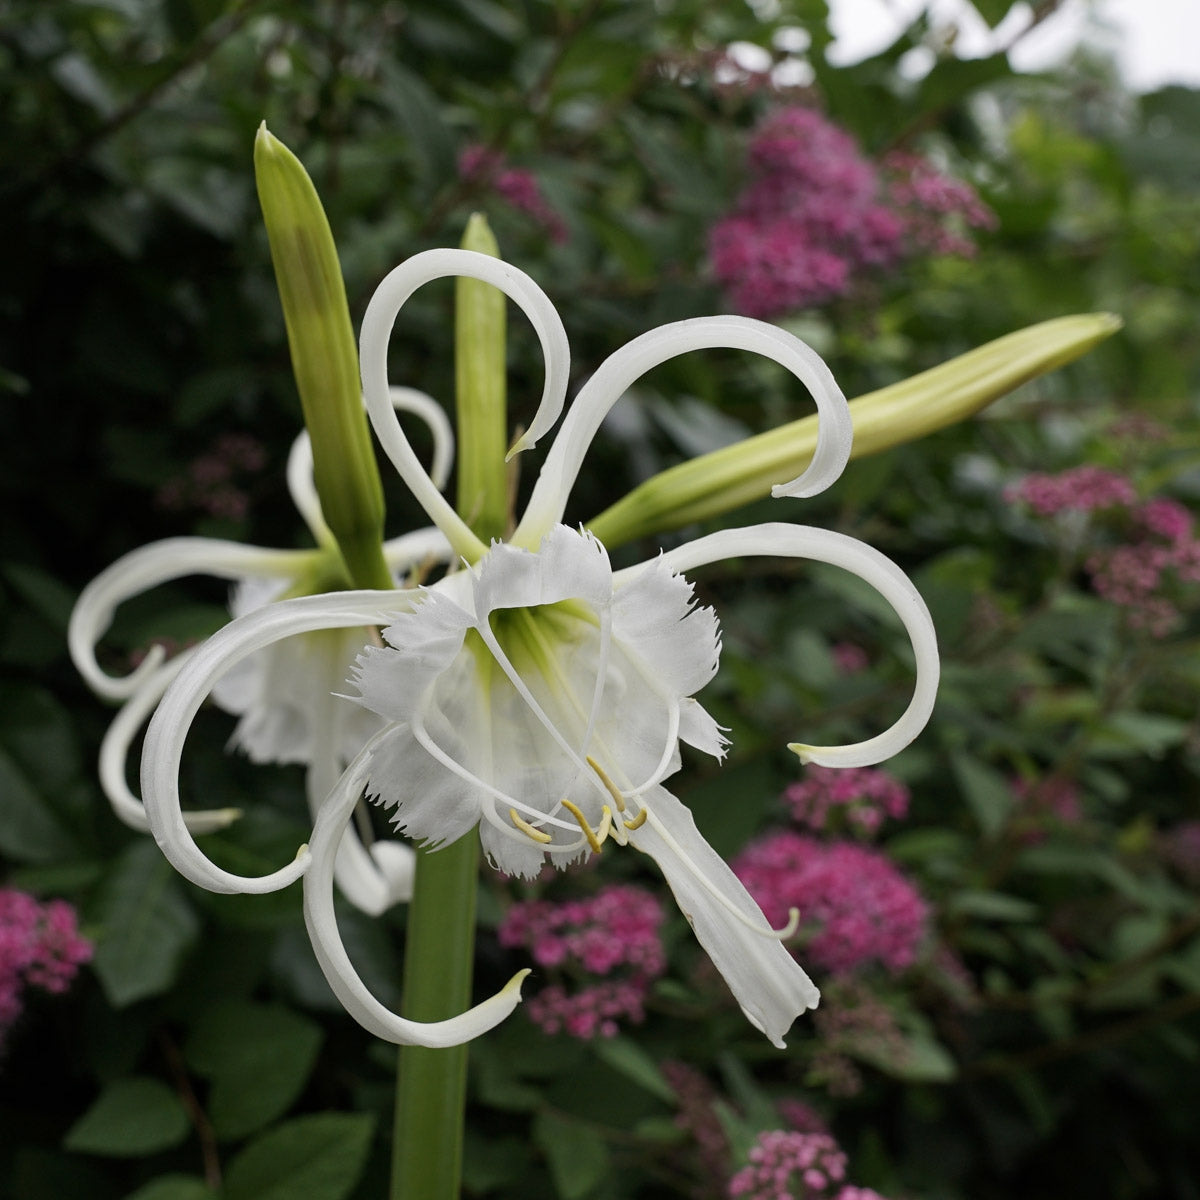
(816, 215)
(212, 483)
(862, 797)
(610, 940)
(40, 947)
(487, 169)
(1081, 489)
(1151, 571)
(787, 1165)
(855, 905)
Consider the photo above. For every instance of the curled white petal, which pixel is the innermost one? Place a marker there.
(321, 919)
(397, 286)
(411, 549)
(371, 879)
(146, 567)
(615, 375)
(768, 983)
(776, 539)
(163, 749)
(300, 460)
(114, 754)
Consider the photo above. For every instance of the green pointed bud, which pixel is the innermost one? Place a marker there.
(481, 393)
(324, 358)
(715, 483)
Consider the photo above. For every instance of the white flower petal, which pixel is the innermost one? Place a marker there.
(169, 726)
(622, 368)
(568, 565)
(656, 616)
(114, 755)
(146, 567)
(779, 540)
(427, 639)
(378, 320)
(349, 988)
(765, 979)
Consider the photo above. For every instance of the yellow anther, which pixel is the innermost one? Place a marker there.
(637, 821)
(594, 840)
(538, 835)
(611, 787)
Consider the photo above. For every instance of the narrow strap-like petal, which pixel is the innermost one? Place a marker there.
(321, 919)
(779, 540)
(114, 755)
(163, 749)
(300, 461)
(615, 375)
(144, 568)
(372, 884)
(765, 979)
(377, 324)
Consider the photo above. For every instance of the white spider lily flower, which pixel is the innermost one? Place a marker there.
(285, 696)
(538, 695)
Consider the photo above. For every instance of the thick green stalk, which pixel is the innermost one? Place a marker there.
(324, 359)
(439, 956)
(479, 327)
(431, 1084)
(735, 475)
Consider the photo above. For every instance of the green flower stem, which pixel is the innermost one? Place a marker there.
(324, 359)
(715, 483)
(480, 381)
(440, 950)
(431, 1084)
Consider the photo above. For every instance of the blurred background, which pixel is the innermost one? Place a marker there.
(1003, 920)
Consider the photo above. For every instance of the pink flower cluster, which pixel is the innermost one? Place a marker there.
(40, 946)
(854, 904)
(1055, 795)
(698, 1116)
(864, 796)
(787, 1165)
(211, 485)
(617, 930)
(1149, 573)
(816, 214)
(1081, 489)
(1180, 846)
(519, 189)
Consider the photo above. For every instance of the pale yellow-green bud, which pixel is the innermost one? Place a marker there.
(481, 393)
(715, 483)
(324, 358)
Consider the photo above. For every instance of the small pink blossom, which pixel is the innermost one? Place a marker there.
(518, 188)
(1180, 846)
(617, 930)
(855, 905)
(815, 215)
(787, 1165)
(850, 658)
(210, 483)
(40, 946)
(864, 796)
(1080, 489)
(698, 1116)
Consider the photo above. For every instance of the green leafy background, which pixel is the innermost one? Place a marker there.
(201, 1056)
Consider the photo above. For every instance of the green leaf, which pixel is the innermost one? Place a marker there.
(576, 1154)
(311, 1158)
(132, 1117)
(30, 830)
(626, 1057)
(992, 906)
(145, 926)
(174, 1187)
(985, 790)
(259, 1057)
